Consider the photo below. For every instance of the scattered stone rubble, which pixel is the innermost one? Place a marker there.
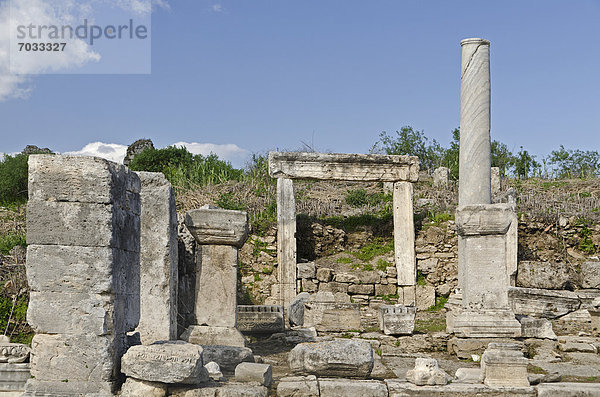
(103, 254)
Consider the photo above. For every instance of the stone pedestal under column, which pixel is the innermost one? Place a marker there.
(219, 234)
(485, 307)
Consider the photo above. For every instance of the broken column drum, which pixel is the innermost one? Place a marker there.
(219, 234)
(483, 252)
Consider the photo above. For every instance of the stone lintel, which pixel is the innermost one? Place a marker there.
(344, 167)
(216, 226)
(484, 219)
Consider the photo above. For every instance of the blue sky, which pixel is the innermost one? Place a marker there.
(332, 73)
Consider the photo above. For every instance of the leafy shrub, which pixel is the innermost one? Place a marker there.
(360, 197)
(411, 142)
(10, 240)
(13, 179)
(574, 163)
(184, 169)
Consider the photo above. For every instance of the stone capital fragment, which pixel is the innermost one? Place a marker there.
(427, 372)
(218, 226)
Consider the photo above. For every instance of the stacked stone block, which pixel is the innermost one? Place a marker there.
(83, 231)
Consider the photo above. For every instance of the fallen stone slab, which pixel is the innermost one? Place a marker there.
(166, 362)
(399, 388)
(347, 387)
(298, 386)
(44, 388)
(577, 347)
(228, 357)
(340, 357)
(567, 389)
(332, 316)
(542, 303)
(226, 390)
(465, 347)
(254, 372)
(140, 388)
(211, 335)
(468, 375)
(297, 335)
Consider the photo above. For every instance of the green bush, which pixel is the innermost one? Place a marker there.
(13, 179)
(8, 241)
(184, 169)
(360, 197)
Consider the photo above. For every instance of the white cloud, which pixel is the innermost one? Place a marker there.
(217, 8)
(228, 151)
(110, 151)
(14, 79)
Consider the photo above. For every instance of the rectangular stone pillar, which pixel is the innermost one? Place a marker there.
(404, 234)
(219, 234)
(486, 311)
(83, 231)
(286, 241)
(159, 259)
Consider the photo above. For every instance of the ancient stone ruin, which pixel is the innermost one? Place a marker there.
(127, 299)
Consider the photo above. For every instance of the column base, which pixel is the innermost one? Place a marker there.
(207, 335)
(487, 324)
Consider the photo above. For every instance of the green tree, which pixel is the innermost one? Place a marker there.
(574, 163)
(411, 142)
(525, 164)
(13, 179)
(450, 157)
(502, 157)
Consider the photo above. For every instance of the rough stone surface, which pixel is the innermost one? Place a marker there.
(343, 358)
(540, 328)
(139, 388)
(216, 285)
(298, 386)
(397, 319)
(86, 270)
(398, 388)
(425, 296)
(441, 177)
(207, 335)
(228, 357)
(546, 275)
(427, 372)
(566, 389)
(590, 274)
(158, 259)
(345, 387)
(136, 148)
(166, 362)
(296, 309)
(331, 316)
(227, 390)
(253, 372)
(468, 375)
(306, 270)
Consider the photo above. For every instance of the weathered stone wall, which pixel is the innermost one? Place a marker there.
(83, 231)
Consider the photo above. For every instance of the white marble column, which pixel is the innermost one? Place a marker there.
(475, 149)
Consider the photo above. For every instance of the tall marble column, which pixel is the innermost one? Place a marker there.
(483, 254)
(475, 149)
